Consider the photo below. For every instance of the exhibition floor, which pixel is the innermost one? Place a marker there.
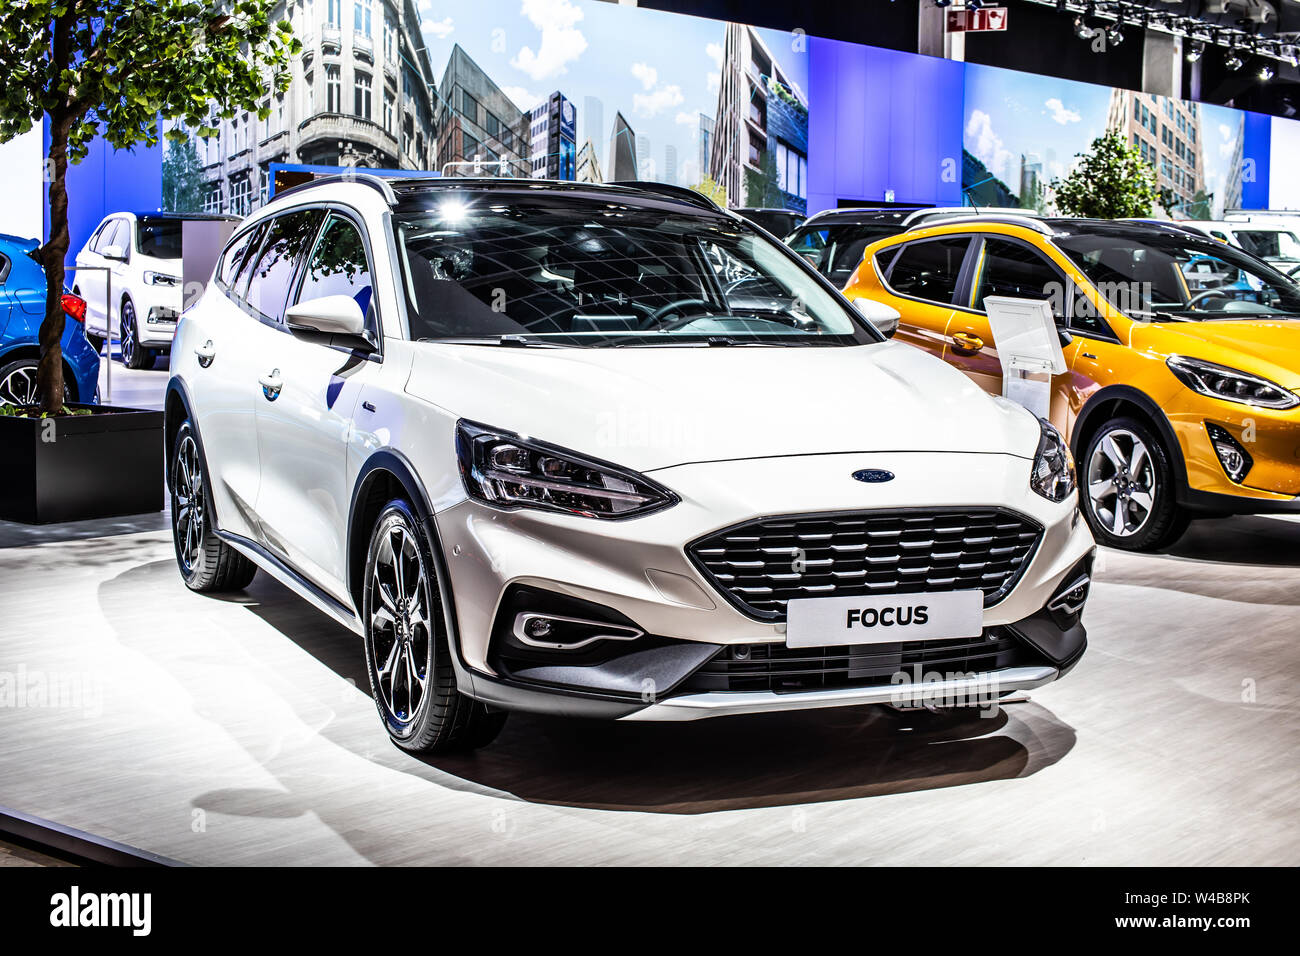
(239, 731)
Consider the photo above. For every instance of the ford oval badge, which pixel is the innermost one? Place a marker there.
(873, 475)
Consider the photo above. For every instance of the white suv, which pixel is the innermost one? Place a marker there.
(129, 273)
(606, 451)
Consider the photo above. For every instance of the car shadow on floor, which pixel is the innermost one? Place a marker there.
(724, 763)
(1241, 539)
(721, 763)
(767, 760)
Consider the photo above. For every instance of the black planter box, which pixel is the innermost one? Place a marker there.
(97, 466)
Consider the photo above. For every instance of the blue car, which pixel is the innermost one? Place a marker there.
(22, 306)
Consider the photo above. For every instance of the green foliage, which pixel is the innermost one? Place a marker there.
(710, 187)
(1112, 182)
(182, 177)
(33, 411)
(120, 69)
(763, 187)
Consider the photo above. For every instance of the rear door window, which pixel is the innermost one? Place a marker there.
(929, 269)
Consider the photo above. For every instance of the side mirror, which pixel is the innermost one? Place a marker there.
(114, 252)
(1066, 337)
(333, 314)
(883, 317)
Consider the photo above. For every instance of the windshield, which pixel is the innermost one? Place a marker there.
(160, 238)
(1170, 277)
(576, 272)
(835, 251)
(1269, 243)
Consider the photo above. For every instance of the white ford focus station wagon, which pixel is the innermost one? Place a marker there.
(605, 451)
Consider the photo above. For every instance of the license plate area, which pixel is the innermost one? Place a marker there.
(884, 619)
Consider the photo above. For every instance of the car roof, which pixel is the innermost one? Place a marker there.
(182, 216)
(860, 215)
(410, 193)
(19, 242)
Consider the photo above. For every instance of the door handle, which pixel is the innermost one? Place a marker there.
(206, 353)
(271, 385)
(967, 343)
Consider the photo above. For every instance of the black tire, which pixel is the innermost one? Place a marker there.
(408, 658)
(1130, 524)
(134, 355)
(18, 382)
(207, 563)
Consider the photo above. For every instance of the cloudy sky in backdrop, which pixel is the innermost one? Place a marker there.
(661, 70)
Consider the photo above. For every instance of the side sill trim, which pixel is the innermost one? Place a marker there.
(985, 686)
(293, 580)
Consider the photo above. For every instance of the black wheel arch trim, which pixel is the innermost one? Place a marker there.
(484, 688)
(176, 387)
(1126, 393)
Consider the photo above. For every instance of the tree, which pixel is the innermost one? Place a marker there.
(118, 69)
(708, 186)
(763, 186)
(1113, 181)
(182, 177)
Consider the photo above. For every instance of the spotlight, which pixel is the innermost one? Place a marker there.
(1232, 60)
(974, 4)
(1115, 35)
(1195, 50)
(1081, 29)
(943, 3)
(1265, 73)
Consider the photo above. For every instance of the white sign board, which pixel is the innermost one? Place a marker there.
(1029, 347)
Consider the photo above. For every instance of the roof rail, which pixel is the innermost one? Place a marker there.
(933, 212)
(377, 183)
(684, 193)
(1026, 222)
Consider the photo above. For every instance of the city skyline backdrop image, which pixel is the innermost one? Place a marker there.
(548, 89)
(1195, 148)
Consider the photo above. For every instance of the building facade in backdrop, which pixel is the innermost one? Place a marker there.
(478, 123)
(360, 95)
(1167, 132)
(554, 137)
(622, 152)
(588, 165)
(758, 149)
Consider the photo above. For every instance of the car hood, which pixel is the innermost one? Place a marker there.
(1267, 347)
(649, 408)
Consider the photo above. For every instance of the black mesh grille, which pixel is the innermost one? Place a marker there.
(776, 667)
(761, 565)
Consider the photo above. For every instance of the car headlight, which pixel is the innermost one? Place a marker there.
(160, 278)
(510, 471)
(1219, 381)
(1053, 472)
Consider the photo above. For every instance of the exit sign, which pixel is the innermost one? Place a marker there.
(983, 20)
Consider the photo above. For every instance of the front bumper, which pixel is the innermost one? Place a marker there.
(1270, 437)
(638, 570)
(157, 310)
(972, 689)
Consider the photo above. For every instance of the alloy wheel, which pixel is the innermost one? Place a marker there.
(19, 386)
(127, 333)
(401, 628)
(188, 503)
(1122, 483)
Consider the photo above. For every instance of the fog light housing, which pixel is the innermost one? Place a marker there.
(558, 633)
(1066, 603)
(1236, 461)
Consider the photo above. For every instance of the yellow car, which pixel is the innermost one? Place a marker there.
(1183, 356)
